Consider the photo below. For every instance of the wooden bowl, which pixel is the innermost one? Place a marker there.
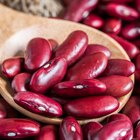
(58, 30)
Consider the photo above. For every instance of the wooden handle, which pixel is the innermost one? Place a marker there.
(12, 21)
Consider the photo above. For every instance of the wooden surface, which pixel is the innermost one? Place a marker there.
(14, 38)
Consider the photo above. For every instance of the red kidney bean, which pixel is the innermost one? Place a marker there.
(70, 129)
(117, 1)
(48, 132)
(48, 75)
(54, 43)
(137, 43)
(116, 85)
(95, 48)
(112, 26)
(21, 82)
(79, 88)
(119, 67)
(122, 11)
(38, 103)
(118, 116)
(130, 48)
(12, 66)
(132, 109)
(137, 130)
(73, 47)
(115, 130)
(137, 5)
(131, 31)
(91, 107)
(10, 111)
(89, 67)
(137, 62)
(91, 129)
(38, 52)
(18, 128)
(3, 112)
(77, 8)
(94, 21)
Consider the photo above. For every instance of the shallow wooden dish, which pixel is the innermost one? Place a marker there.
(58, 30)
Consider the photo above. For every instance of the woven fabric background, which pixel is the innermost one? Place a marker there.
(47, 8)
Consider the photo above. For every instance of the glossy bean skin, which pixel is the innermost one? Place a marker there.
(70, 129)
(48, 132)
(37, 53)
(54, 44)
(117, 1)
(79, 88)
(137, 130)
(132, 109)
(94, 21)
(116, 85)
(91, 129)
(77, 8)
(46, 76)
(122, 11)
(130, 48)
(73, 47)
(118, 116)
(18, 128)
(3, 112)
(21, 82)
(137, 43)
(112, 26)
(12, 66)
(119, 67)
(38, 103)
(95, 48)
(115, 130)
(89, 67)
(91, 107)
(131, 31)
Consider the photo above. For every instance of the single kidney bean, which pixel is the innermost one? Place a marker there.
(3, 112)
(137, 130)
(112, 26)
(91, 129)
(95, 48)
(37, 53)
(117, 1)
(122, 11)
(137, 43)
(54, 44)
(119, 67)
(132, 109)
(18, 128)
(131, 31)
(48, 75)
(89, 67)
(94, 21)
(48, 132)
(118, 116)
(117, 85)
(21, 82)
(77, 8)
(91, 107)
(115, 130)
(38, 103)
(12, 66)
(130, 48)
(73, 47)
(70, 129)
(138, 5)
(9, 111)
(79, 88)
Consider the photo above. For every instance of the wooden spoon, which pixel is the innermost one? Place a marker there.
(13, 42)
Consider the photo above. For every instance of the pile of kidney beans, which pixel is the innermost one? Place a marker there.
(78, 80)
